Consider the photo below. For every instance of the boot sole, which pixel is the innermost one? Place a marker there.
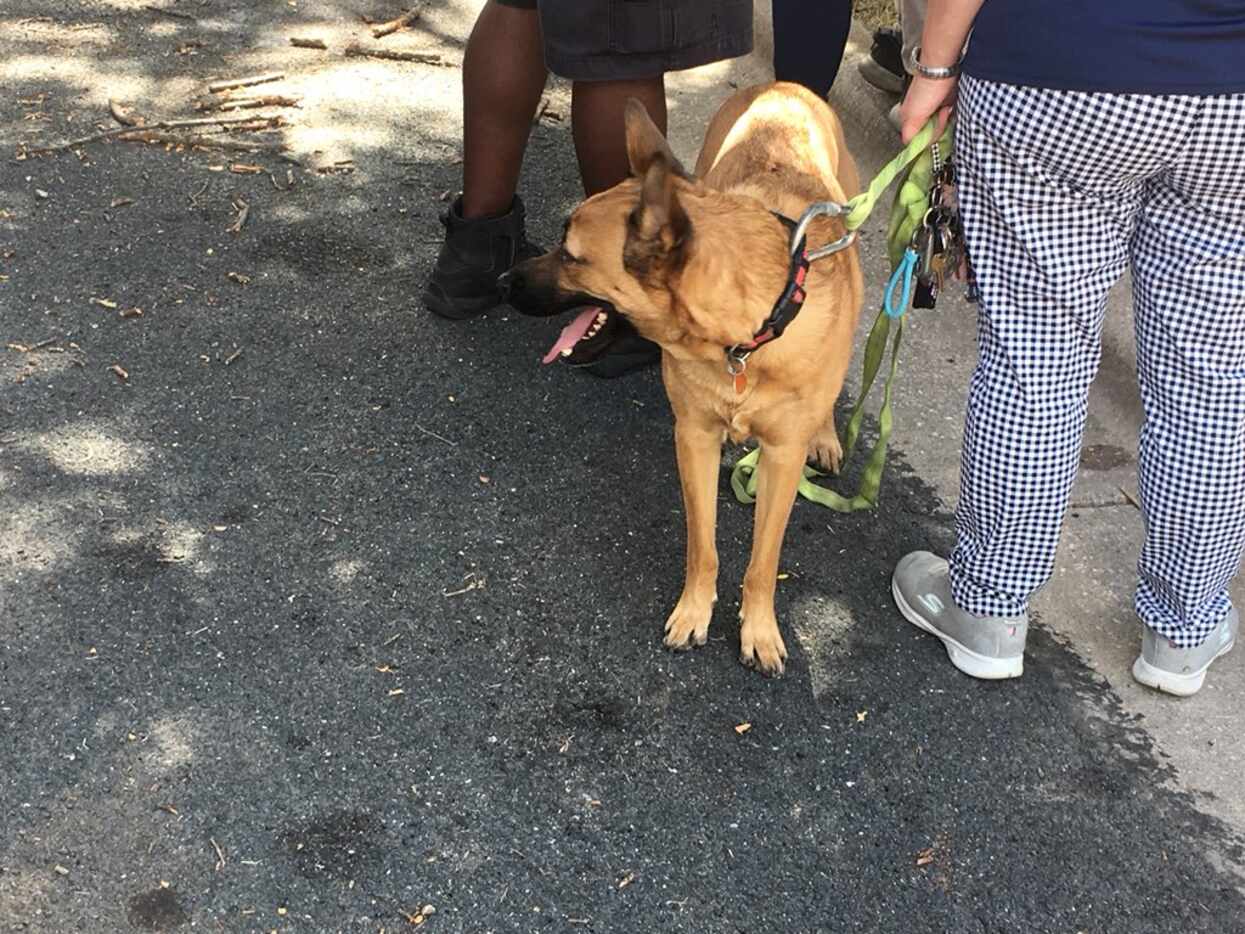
(971, 663)
(459, 309)
(1169, 682)
(612, 366)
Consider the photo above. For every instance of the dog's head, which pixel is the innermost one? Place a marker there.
(679, 260)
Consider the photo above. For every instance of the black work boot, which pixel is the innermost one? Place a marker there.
(627, 352)
(476, 251)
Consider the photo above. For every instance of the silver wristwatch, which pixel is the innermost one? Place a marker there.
(924, 71)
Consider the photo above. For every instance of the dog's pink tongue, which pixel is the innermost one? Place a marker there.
(572, 333)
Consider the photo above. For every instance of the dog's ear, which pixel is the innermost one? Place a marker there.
(658, 229)
(645, 142)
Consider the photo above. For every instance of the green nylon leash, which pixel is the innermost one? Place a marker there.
(915, 163)
(861, 206)
(744, 476)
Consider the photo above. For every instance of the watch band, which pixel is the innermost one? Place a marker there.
(925, 71)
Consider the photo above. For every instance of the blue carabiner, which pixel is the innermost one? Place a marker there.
(900, 278)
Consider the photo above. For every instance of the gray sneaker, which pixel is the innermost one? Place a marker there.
(990, 647)
(1164, 667)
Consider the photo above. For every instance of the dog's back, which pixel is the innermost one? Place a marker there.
(780, 143)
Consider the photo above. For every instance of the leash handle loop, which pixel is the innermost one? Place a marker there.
(901, 279)
(860, 207)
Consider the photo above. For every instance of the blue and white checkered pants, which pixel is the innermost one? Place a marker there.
(1060, 191)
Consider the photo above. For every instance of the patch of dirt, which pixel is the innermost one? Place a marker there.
(875, 13)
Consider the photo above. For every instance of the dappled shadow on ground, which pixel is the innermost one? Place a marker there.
(315, 610)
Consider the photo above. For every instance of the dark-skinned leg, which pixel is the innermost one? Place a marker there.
(503, 77)
(597, 124)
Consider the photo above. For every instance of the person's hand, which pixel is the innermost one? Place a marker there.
(925, 98)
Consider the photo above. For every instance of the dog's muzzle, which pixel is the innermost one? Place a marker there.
(530, 288)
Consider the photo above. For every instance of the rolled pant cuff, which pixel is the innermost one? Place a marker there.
(1182, 631)
(979, 600)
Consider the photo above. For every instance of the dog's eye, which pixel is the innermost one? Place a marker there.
(566, 257)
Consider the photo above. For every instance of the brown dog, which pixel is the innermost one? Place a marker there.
(696, 263)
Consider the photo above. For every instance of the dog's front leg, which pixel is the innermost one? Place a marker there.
(699, 450)
(779, 471)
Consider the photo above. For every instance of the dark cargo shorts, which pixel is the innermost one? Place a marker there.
(603, 40)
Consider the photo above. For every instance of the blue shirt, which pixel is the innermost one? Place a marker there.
(1116, 46)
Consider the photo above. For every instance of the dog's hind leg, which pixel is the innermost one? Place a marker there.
(699, 450)
(779, 471)
(824, 449)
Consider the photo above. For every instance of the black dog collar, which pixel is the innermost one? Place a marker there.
(783, 313)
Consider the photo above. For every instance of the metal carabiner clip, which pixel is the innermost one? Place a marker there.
(822, 209)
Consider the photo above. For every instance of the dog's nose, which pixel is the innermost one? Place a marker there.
(509, 284)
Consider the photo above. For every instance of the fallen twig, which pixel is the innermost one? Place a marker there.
(422, 58)
(472, 583)
(259, 123)
(23, 348)
(1132, 499)
(220, 854)
(433, 434)
(201, 142)
(174, 14)
(244, 211)
(123, 115)
(217, 86)
(233, 356)
(400, 22)
(546, 112)
(213, 104)
(270, 100)
(159, 125)
(300, 43)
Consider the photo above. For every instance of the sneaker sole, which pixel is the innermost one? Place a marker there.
(973, 664)
(880, 78)
(1169, 682)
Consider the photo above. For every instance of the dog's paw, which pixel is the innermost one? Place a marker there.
(825, 451)
(688, 623)
(761, 645)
